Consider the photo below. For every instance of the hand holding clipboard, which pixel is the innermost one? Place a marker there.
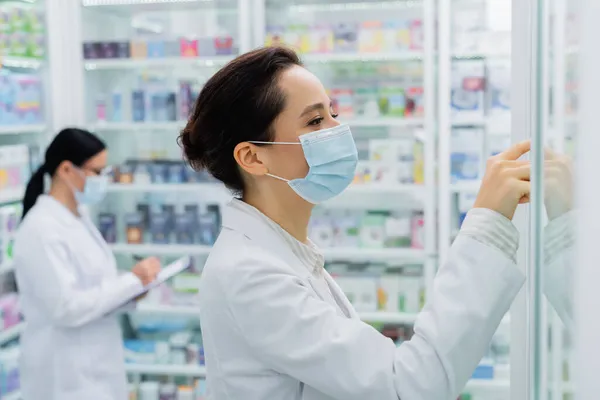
(164, 275)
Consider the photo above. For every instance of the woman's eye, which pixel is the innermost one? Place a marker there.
(335, 115)
(316, 121)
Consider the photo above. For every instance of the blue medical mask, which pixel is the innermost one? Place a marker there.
(331, 156)
(94, 190)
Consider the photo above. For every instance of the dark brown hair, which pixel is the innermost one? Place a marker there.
(71, 144)
(239, 103)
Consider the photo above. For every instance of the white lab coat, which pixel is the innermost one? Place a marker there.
(71, 348)
(271, 330)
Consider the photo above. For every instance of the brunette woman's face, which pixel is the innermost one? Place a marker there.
(75, 176)
(307, 109)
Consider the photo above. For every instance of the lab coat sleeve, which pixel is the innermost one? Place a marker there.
(559, 244)
(297, 334)
(70, 303)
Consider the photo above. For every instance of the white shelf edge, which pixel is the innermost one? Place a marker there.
(361, 253)
(22, 129)
(160, 249)
(383, 121)
(488, 384)
(388, 317)
(162, 309)
(11, 195)
(373, 188)
(166, 369)
(130, 126)
(359, 122)
(332, 252)
(193, 312)
(368, 188)
(11, 333)
(16, 395)
(164, 187)
(105, 3)
(21, 62)
(356, 56)
(466, 186)
(7, 267)
(165, 62)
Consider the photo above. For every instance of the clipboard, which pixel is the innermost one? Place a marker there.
(175, 268)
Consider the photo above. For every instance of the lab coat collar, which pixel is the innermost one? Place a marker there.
(257, 230)
(65, 217)
(260, 232)
(55, 208)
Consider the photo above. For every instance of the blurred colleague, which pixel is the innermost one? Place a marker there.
(69, 287)
(275, 325)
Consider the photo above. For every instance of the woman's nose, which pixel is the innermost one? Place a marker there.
(333, 123)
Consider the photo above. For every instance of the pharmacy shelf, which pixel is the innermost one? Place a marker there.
(166, 369)
(488, 384)
(479, 55)
(137, 126)
(380, 196)
(11, 333)
(193, 312)
(167, 310)
(383, 188)
(21, 62)
(465, 187)
(160, 249)
(7, 267)
(11, 195)
(13, 396)
(342, 253)
(494, 124)
(167, 62)
(367, 122)
(352, 57)
(178, 125)
(366, 188)
(374, 254)
(381, 317)
(164, 187)
(22, 129)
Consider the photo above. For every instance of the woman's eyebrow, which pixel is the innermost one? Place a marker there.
(314, 107)
(311, 108)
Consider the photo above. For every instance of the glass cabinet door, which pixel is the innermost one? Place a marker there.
(551, 268)
(555, 203)
(475, 127)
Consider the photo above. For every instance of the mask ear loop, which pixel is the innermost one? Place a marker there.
(271, 175)
(259, 142)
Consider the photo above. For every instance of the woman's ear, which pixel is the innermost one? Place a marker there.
(250, 158)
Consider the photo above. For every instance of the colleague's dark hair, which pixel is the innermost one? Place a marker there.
(71, 144)
(239, 103)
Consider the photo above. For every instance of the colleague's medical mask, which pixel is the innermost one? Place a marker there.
(331, 156)
(94, 190)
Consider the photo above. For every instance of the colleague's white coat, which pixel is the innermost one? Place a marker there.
(272, 331)
(72, 349)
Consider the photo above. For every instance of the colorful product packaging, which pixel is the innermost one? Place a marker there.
(321, 39)
(345, 37)
(467, 154)
(188, 47)
(371, 37)
(342, 99)
(274, 36)
(468, 87)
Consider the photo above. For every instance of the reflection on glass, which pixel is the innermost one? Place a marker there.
(558, 265)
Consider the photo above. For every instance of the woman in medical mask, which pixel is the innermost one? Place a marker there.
(275, 325)
(71, 347)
